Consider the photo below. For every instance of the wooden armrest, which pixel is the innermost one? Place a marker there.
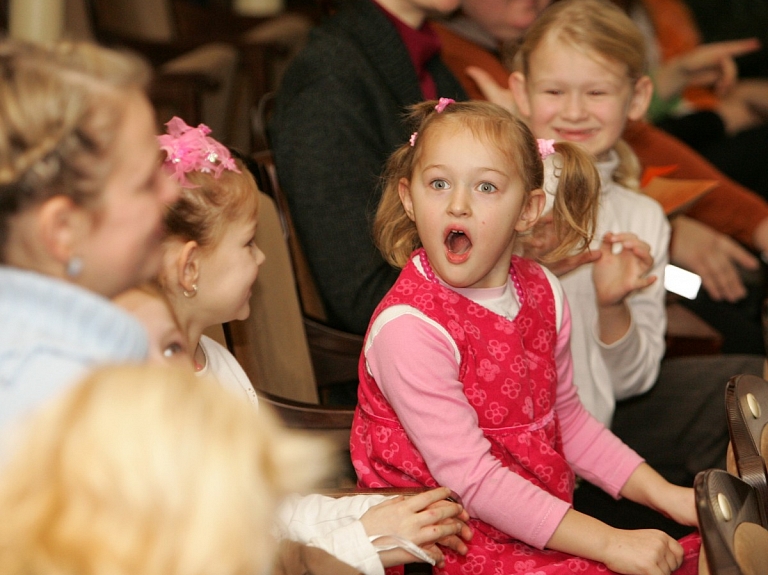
(302, 415)
(688, 334)
(344, 491)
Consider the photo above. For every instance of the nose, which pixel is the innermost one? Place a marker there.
(459, 203)
(574, 108)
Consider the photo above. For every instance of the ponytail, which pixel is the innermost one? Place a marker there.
(627, 173)
(394, 234)
(577, 198)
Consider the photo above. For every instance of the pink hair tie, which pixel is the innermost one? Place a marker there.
(546, 147)
(413, 139)
(190, 149)
(443, 103)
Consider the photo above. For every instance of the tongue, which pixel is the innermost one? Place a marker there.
(457, 243)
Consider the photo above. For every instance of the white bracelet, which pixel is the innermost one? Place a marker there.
(408, 546)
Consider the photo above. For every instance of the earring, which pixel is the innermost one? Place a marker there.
(192, 293)
(74, 267)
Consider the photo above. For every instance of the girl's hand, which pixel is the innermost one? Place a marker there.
(647, 487)
(640, 552)
(643, 552)
(424, 519)
(493, 92)
(676, 502)
(622, 268)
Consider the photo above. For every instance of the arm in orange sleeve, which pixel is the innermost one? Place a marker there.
(730, 208)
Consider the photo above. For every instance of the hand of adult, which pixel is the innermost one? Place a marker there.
(745, 106)
(492, 91)
(712, 255)
(706, 65)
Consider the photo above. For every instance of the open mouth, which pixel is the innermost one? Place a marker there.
(458, 244)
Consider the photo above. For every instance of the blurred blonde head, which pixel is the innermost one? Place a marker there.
(150, 470)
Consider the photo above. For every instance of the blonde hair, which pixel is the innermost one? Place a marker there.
(575, 209)
(202, 212)
(598, 26)
(150, 470)
(60, 108)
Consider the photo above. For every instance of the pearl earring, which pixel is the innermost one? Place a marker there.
(190, 293)
(74, 267)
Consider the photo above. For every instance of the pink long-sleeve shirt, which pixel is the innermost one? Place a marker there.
(416, 365)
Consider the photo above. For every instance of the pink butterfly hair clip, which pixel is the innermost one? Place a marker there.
(190, 149)
(546, 147)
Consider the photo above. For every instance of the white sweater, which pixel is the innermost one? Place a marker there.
(628, 367)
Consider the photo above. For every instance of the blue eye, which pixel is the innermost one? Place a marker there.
(487, 188)
(439, 184)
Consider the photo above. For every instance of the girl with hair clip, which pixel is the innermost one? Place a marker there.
(581, 77)
(465, 377)
(82, 198)
(209, 266)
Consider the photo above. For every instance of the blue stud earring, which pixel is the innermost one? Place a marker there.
(74, 267)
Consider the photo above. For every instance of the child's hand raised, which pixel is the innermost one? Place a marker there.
(424, 520)
(622, 268)
(642, 552)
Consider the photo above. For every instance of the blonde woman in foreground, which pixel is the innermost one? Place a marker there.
(148, 469)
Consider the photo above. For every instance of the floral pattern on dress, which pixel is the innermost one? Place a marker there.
(509, 375)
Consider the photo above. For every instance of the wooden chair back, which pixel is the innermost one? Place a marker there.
(746, 404)
(335, 353)
(271, 344)
(733, 532)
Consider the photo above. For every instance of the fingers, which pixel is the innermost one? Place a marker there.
(741, 256)
(728, 75)
(570, 263)
(492, 91)
(455, 543)
(618, 243)
(732, 48)
(722, 280)
(427, 498)
(675, 556)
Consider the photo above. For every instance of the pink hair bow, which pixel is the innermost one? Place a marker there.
(190, 149)
(546, 147)
(443, 103)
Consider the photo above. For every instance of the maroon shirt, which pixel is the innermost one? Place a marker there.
(422, 45)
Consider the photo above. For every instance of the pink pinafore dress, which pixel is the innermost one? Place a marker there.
(510, 378)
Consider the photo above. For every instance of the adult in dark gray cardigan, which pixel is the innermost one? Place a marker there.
(338, 117)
